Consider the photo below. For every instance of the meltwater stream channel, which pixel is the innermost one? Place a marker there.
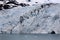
(29, 37)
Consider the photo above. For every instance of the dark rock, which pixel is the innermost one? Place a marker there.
(37, 25)
(6, 7)
(23, 4)
(53, 32)
(48, 4)
(26, 17)
(29, 0)
(1, 0)
(21, 19)
(42, 6)
(36, 2)
(1, 6)
(12, 2)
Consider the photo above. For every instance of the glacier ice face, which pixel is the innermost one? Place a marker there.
(31, 19)
(10, 18)
(42, 21)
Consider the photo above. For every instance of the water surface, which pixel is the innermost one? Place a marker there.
(29, 37)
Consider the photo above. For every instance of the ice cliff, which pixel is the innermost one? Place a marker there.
(40, 18)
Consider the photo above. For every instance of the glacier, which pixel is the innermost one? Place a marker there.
(35, 19)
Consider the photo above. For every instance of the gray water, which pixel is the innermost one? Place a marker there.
(29, 37)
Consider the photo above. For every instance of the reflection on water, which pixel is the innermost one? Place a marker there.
(29, 37)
